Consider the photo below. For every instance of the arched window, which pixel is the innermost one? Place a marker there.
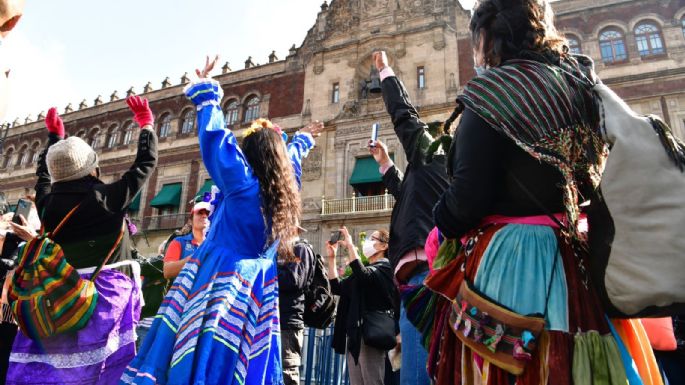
(165, 126)
(94, 139)
(81, 134)
(232, 110)
(128, 133)
(188, 122)
(113, 137)
(612, 46)
(682, 25)
(23, 155)
(251, 109)
(573, 45)
(7, 158)
(35, 152)
(648, 39)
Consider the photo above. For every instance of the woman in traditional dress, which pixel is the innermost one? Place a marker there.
(526, 154)
(86, 218)
(219, 322)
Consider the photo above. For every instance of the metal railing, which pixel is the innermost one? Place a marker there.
(320, 364)
(357, 204)
(165, 222)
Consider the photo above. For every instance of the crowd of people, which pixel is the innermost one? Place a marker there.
(480, 278)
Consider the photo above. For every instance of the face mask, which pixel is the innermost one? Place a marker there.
(368, 249)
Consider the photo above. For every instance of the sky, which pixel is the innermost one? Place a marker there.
(68, 50)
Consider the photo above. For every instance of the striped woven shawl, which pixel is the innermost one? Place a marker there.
(548, 111)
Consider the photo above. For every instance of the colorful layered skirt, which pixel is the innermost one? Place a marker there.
(96, 354)
(218, 324)
(530, 270)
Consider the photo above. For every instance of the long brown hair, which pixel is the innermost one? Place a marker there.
(515, 29)
(266, 153)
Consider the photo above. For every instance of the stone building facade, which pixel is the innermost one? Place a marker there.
(638, 47)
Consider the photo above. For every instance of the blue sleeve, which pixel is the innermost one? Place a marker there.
(221, 154)
(298, 149)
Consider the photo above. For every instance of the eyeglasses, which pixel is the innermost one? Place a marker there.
(377, 239)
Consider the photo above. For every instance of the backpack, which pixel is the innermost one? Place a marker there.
(48, 296)
(319, 302)
(637, 219)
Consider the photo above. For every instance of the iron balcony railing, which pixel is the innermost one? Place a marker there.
(356, 204)
(164, 222)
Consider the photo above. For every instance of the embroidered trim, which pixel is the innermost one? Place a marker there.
(76, 360)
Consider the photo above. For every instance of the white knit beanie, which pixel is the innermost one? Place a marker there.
(70, 159)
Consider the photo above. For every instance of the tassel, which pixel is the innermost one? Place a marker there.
(672, 145)
(520, 353)
(460, 315)
(527, 338)
(493, 341)
(467, 327)
(478, 333)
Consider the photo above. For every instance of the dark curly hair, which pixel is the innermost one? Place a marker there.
(514, 29)
(266, 153)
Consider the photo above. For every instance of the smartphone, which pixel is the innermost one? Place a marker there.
(335, 237)
(374, 133)
(23, 208)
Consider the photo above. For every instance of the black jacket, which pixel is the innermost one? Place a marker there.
(90, 233)
(484, 166)
(293, 279)
(369, 288)
(418, 189)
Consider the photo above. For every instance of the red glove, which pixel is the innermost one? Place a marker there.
(141, 111)
(54, 123)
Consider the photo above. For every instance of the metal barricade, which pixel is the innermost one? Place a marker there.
(320, 364)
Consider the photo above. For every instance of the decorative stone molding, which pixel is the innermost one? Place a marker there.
(311, 166)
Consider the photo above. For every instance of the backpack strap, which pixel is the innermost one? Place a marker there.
(109, 255)
(63, 221)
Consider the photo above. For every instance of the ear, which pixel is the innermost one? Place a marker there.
(384, 246)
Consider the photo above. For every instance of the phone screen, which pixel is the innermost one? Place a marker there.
(335, 237)
(23, 208)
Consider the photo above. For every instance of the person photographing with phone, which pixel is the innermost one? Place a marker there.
(416, 191)
(366, 303)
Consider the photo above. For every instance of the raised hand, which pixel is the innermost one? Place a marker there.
(141, 111)
(379, 151)
(54, 123)
(314, 128)
(209, 66)
(380, 60)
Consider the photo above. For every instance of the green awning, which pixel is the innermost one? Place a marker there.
(135, 203)
(169, 195)
(206, 187)
(366, 171)
(12, 208)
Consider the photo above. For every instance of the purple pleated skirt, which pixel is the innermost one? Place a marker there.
(96, 354)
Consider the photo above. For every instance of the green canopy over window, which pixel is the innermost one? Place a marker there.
(366, 171)
(169, 195)
(135, 203)
(13, 208)
(206, 187)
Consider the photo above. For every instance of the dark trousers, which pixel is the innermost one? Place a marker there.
(7, 333)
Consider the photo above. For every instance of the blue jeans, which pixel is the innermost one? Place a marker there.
(414, 356)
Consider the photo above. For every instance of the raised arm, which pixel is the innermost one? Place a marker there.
(409, 128)
(55, 128)
(299, 147)
(392, 176)
(118, 196)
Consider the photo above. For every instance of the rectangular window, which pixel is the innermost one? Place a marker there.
(421, 77)
(335, 94)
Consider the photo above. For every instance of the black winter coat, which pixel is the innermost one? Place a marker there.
(369, 288)
(90, 233)
(419, 188)
(293, 279)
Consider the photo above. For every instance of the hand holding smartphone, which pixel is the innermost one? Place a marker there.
(374, 134)
(23, 208)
